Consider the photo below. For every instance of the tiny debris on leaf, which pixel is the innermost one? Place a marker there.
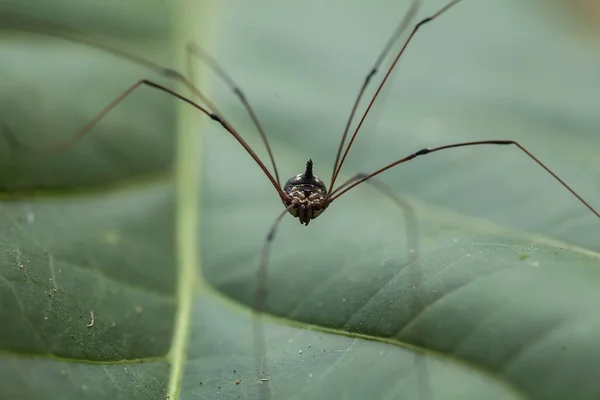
(92, 320)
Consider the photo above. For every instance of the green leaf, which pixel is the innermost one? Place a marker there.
(161, 240)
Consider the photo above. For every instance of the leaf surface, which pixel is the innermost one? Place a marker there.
(501, 303)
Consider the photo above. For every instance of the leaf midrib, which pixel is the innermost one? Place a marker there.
(186, 211)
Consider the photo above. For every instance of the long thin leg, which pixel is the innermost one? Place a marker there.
(260, 296)
(408, 17)
(87, 127)
(166, 72)
(11, 139)
(428, 150)
(172, 74)
(385, 78)
(415, 273)
(194, 49)
(257, 328)
(410, 217)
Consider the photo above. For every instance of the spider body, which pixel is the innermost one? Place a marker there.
(306, 195)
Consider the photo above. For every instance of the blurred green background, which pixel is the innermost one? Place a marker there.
(155, 220)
